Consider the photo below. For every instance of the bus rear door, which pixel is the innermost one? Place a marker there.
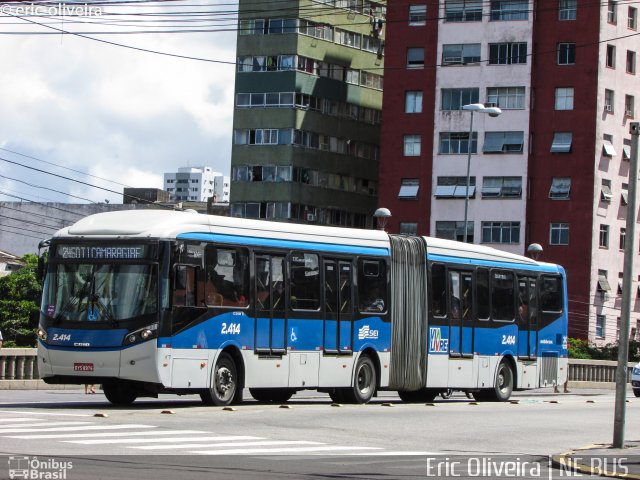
(271, 325)
(338, 307)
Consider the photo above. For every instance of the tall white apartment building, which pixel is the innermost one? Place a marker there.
(197, 184)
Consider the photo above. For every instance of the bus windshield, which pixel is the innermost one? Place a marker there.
(100, 293)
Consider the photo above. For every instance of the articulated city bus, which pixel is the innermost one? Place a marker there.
(150, 302)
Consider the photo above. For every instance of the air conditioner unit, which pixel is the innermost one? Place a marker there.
(608, 108)
(311, 217)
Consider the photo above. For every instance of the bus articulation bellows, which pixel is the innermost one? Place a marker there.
(149, 302)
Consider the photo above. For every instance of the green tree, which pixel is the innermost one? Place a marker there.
(20, 294)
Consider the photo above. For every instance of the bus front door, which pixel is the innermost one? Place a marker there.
(271, 324)
(527, 318)
(338, 307)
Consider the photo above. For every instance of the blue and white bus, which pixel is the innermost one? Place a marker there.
(149, 302)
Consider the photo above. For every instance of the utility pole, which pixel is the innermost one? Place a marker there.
(627, 280)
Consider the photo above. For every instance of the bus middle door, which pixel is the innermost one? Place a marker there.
(460, 314)
(271, 324)
(338, 310)
(527, 318)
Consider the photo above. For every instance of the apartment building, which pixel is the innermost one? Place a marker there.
(197, 184)
(308, 97)
(552, 168)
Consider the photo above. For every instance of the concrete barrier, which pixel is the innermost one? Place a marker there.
(19, 370)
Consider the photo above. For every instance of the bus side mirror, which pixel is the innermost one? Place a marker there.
(42, 267)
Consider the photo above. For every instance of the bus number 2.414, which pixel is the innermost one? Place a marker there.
(508, 339)
(232, 328)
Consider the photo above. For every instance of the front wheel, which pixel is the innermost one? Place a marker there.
(364, 382)
(224, 382)
(119, 393)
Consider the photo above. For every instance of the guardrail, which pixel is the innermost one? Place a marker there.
(18, 364)
(21, 364)
(595, 370)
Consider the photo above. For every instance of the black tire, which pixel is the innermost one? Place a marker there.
(119, 393)
(224, 382)
(481, 395)
(503, 387)
(418, 396)
(364, 382)
(274, 395)
(636, 392)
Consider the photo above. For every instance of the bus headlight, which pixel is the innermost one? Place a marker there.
(42, 334)
(142, 335)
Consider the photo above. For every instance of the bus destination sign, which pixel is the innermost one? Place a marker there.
(101, 252)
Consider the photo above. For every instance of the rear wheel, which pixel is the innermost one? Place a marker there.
(503, 383)
(418, 396)
(224, 382)
(275, 395)
(119, 393)
(364, 382)
(636, 392)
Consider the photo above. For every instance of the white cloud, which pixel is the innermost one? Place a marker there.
(114, 112)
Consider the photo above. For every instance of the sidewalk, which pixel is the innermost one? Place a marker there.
(602, 460)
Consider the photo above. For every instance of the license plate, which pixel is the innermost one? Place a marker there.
(83, 367)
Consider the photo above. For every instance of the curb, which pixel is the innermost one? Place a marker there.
(564, 461)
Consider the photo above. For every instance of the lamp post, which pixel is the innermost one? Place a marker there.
(480, 108)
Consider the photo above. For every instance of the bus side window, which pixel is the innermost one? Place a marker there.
(184, 294)
(305, 281)
(227, 277)
(483, 298)
(372, 286)
(551, 294)
(438, 290)
(502, 296)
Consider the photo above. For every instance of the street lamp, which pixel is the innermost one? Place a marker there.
(479, 108)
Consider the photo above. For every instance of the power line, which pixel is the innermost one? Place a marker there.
(46, 188)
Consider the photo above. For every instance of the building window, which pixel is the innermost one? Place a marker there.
(609, 96)
(456, 98)
(626, 149)
(509, 10)
(623, 238)
(611, 56)
(631, 62)
(413, 102)
(561, 142)
(560, 188)
(458, 142)
(604, 236)
(503, 142)
(566, 53)
(559, 234)
(455, 187)
(463, 10)
(500, 232)
(605, 193)
(607, 146)
(601, 320)
(564, 98)
(417, 15)
(412, 145)
(460, 54)
(501, 187)
(507, 98)
(629, 103)
(408, 228)
(507, 53)
(567, 9)
(415, 57)
(454, 230)
(409, 188)
(612, 14)
(632, 18)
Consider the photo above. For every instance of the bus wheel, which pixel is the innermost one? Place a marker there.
(504, 383)
(417, 396)
(364, 382)
(337, 395)
(119, 393)
(224, 382)
(275, 395)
